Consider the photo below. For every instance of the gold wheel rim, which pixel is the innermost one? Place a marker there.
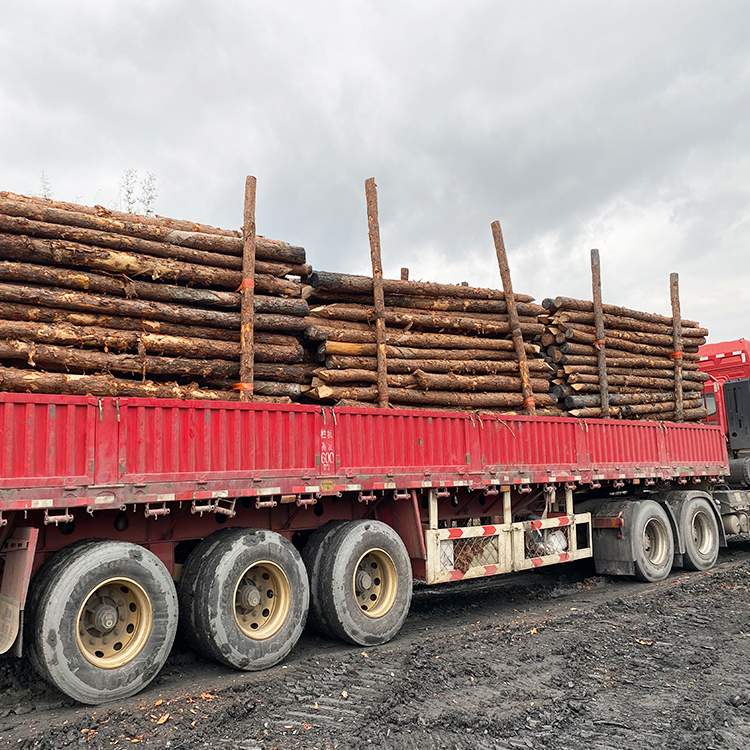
(375, 583)
(114, 623)
(261, 600)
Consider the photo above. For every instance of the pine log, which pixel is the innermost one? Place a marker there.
(657, 363)
(432, 398)
(338, 362)
(700, 377)
(634, 381)
(350, 284)
(617, 388)
(425, 340)
(485, 383)
(634, 410)
(44, 355)
(568, 303)
(439, 304)
(65, 334)
(638, 337)
(121, 286)
(345, 311)
(362, 376)
(265, 388)
(405, 352)
(688, 415)
(18, 225)
(580, 401)
(614, 322)
(96, 303)
(648, 351)
(156, 228)
(300, 373)
(12, 311)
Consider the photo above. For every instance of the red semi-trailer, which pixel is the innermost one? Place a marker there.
(267, 515)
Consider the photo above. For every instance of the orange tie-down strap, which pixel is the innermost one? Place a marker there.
(246, 284)
(675, 355)
(242, 387)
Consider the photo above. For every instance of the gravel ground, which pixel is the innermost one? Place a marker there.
(557, 658)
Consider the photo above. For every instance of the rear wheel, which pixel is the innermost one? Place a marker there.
(653, 542)
(102, 617)
(700, 531)
(366, 583)
(313, 554)
(249, 597)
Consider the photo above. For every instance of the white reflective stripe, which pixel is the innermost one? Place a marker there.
(269, 491)
(44, 503)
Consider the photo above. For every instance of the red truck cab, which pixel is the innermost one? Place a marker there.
(728, 365)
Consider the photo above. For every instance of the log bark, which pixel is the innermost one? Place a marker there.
(634, 381)
(45, 355)
(96, 303)
(617, 351)
(630, 411)
(424, 340)
(350, 284)
(614, 322)
(362, 376)
(631, 388)
(121, 286)
(654, 339)
(405, 352)
(689, 415)
(392, 317)
(600, 342)
(247, 293)
(373, 227)
(432, 398)
(485, 383)
(700, 377)
(438, 304)
(580, 401)
(677, 344)
(65, 334)
(266, 388)
(657, 363)
(155, 228)
(475, 367)
(279, 373)
(568, 303)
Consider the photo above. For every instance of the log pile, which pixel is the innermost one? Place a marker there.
(106, 303)
(647, 376)
(445, 345)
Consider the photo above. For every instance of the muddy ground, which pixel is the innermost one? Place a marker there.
(557, 658)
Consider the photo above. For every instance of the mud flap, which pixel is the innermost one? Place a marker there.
(18, 552)
(613, 543)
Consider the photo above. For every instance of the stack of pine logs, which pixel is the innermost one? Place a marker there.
(446, 345)
(100, 302)
(643, 369)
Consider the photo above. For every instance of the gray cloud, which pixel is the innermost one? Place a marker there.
(621, 125)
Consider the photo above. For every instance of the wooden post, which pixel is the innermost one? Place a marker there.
(247, 294)
(596, 285)
(515, 326)
(404, 274)
(674, 294)
(371, 193)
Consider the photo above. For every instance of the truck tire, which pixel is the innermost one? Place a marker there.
(313, 554)
(250, 598)
(102, 617)
(192, 572)
(700, 531)
(366, 583)
(653, 542)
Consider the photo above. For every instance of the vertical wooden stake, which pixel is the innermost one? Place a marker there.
(674, 294)
(404, 274)
(515, 327)
(371, 192)
(247, 295)
(596, 285)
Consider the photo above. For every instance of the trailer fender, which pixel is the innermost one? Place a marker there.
(18, 553)
(613, 538)
(675, 502)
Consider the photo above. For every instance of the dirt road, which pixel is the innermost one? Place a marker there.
(558, 658)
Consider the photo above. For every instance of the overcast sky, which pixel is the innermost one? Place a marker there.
(618, 125)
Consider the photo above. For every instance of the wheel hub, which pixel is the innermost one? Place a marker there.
(375, 583)
(261, 600)
(114, 623)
